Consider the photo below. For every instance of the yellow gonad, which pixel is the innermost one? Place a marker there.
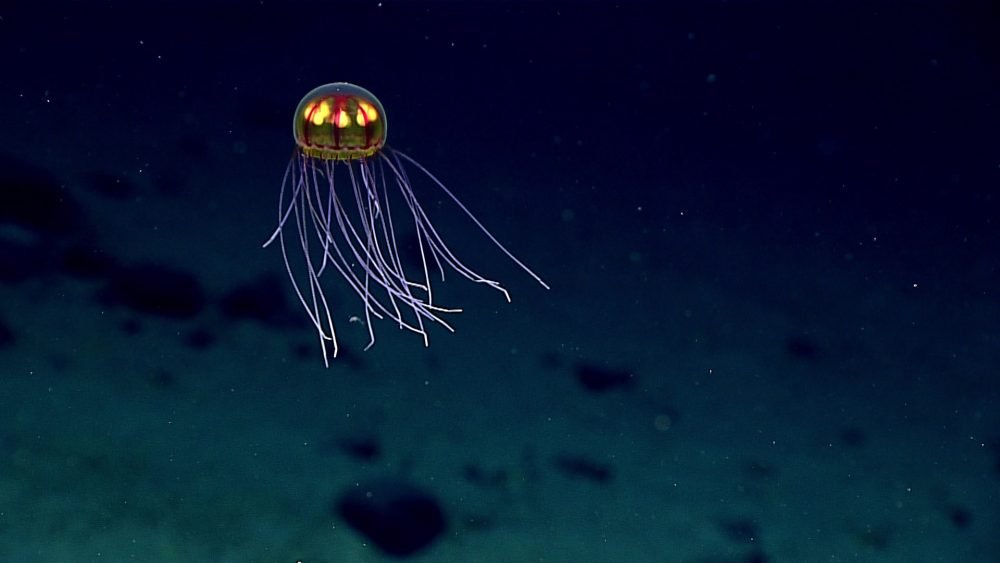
(336, 190)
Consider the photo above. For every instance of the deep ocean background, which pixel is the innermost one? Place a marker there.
(770, 228)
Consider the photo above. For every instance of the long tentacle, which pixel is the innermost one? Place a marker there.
(473, 217)
(362, 245)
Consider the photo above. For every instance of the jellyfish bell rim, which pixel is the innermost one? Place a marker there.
(344, 90)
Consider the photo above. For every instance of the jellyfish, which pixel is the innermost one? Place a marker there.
(345, 197)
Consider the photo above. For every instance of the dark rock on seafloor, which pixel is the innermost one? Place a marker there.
(261, 300)
(37, 216)
(6, 335)
(582, 467)
(397, 517)
(31, 198)
(597, 379)
(155, 290)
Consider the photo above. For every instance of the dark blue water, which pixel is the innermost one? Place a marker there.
(770, 231)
